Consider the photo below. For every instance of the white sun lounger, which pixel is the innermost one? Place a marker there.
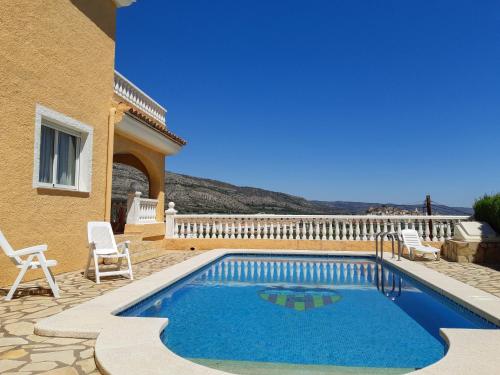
(412, 242)
(102, 245)
(35, 259)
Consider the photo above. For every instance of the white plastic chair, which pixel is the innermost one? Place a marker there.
(102, 245)
(412, 242)
(29, 263)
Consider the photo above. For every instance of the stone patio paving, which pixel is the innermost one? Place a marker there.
(486, 278)
(23, 352)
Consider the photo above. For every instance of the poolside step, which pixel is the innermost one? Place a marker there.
(141, 250)
(137, 244)
(128, 237)
(269, 368)
(143, 246)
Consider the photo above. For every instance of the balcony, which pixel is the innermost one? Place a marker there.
(142, 141)
(138, 98)
(145, 119)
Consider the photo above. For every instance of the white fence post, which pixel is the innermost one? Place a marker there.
(170, 221)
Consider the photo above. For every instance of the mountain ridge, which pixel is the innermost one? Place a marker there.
(195, 195)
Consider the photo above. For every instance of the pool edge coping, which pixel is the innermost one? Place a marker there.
(117, 338)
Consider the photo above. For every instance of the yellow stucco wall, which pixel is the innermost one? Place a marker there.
(221, 243)
(58, 53)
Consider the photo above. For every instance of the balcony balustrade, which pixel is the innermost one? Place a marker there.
(134, 95)
(141, 210)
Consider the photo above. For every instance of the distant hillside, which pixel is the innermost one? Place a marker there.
(200, 195)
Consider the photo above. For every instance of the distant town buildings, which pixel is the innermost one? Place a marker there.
(391, 210)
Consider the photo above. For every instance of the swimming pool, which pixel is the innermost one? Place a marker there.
(324, 312)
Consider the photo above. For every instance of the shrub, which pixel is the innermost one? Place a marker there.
(487, 209)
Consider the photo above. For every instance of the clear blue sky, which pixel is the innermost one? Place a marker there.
(377, 101)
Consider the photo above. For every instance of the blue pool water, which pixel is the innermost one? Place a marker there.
(327, 310)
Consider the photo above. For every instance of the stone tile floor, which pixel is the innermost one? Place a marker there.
(486, 278)
(22, 352)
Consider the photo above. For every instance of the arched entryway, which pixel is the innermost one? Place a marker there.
(137, 171)
(145, 211)
(129, 176)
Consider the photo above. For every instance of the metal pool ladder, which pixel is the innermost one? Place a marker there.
(379, 260)
(393, 236)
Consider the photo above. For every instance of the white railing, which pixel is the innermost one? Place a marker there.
(141, 210)
(307, 227)
(131, 93)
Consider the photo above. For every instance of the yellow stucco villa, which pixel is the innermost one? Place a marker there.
(66, 116)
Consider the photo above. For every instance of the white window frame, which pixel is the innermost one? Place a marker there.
(58, 129)
(84, 133)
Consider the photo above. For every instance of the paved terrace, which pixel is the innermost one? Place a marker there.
(23, 352)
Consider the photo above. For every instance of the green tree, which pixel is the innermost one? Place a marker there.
(487, 209)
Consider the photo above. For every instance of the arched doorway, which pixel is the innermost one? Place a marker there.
(129, 176)
(144, 213)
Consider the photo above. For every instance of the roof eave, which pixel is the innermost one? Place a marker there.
(138, 115)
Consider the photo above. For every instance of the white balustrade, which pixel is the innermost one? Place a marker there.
(134, 95)
(141, 210)
(309, 227)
